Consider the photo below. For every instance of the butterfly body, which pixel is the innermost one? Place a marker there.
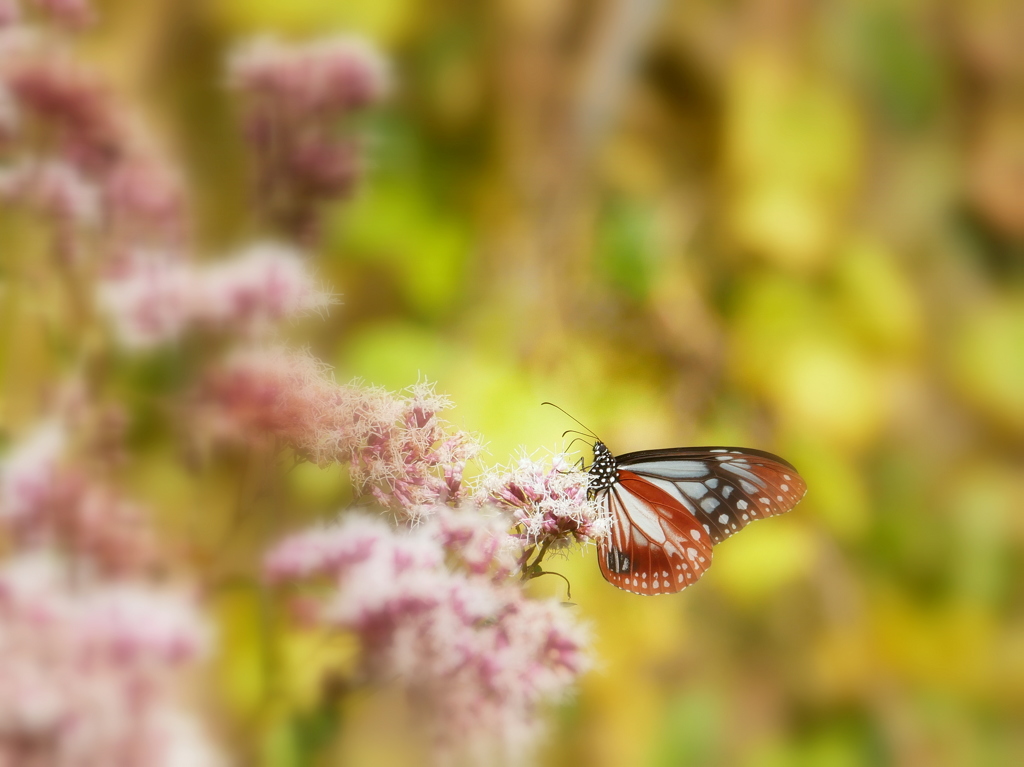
(670, 507)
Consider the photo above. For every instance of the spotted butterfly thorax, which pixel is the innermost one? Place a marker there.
(670, 507)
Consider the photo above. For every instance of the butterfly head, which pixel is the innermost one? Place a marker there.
(604, 470)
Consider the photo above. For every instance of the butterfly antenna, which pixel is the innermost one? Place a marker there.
(589, 432)
(582, 434)
(574, 441)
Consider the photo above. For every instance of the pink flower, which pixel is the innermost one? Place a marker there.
(80, 160)
(144, 202)
(277, 394)
(333, 75)
(323, 167)
(476, 657)
(82, 126)
(131, 622)
(478, 538)
(90, 675)
(295, 98)
(407, 457)
(112, 533)
(53, 189)
(328, 550)
(549, 501)
(152, 302)
(29, 474)
(398, 449)
(154, 298)
(262, 285)
(10, 13)
(46, 503)
(71, 13)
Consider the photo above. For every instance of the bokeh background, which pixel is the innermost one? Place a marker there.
(797, 226)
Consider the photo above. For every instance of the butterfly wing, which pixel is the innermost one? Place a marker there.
(668, 508)
(656, 546)
(724, 488)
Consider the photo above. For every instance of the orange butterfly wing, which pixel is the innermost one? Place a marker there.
(655, 546)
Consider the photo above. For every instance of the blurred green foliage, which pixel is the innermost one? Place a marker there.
(792, 236)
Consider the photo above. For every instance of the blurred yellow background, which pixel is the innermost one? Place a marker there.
(788, 225)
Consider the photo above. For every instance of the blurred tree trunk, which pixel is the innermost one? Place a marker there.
(562, 68)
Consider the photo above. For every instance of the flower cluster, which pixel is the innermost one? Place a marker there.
(397, 447)
(73, 14)
(154, 298)
(278, 395)
(47, 503)
(54, 189)
(475, 655)
(79, 162)
(89, 673)
(407, 457)
(327, 78)
(295, 99)
(548, 501)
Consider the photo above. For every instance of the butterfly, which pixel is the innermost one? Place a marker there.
(670, 507)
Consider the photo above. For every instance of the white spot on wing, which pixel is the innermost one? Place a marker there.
(673, 490)
(709, 504)
(638, 537)
(695, 490)
(673, 469)
(744, 473)
(642, 515)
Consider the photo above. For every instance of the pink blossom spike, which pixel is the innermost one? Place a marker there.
(295, 101)
(549, 501)
(74, 14)
(476, 657)
(155, 298)
(93, 672)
